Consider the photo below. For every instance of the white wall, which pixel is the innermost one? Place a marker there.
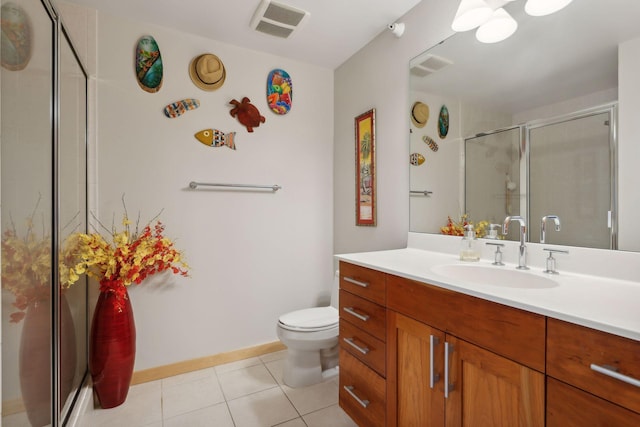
(377, 77)
(629, 147)
(254, 255)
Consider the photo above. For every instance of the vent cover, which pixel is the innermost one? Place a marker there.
(428, 65)
(277, 19)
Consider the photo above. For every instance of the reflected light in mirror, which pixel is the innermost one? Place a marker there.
(544, 7)
(471, 14)
(500, 26)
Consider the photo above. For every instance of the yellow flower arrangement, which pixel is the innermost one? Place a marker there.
(129, 258)
(456, 228)
(26, 268)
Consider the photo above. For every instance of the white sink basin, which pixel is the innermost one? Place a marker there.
(494, 276)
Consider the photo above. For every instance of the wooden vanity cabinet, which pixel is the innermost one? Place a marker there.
(362, 337)
(577, 394)
(434, 335)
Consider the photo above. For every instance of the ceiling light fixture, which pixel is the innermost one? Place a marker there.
(544, 7)
(500, 26)
(471, 14)
(493, 22)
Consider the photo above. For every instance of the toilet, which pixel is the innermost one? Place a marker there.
(311, 338)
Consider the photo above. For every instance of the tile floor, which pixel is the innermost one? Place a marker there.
(247, 393)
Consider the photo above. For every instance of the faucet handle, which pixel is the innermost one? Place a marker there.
(497, 260)
(551, 261)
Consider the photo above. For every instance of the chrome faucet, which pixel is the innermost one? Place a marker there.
(522, 253)
(543, 225)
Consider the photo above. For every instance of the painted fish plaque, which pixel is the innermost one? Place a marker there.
(216, 138)
(149, 70)
(178, 108)
(279, 91)
(15, 37)
(430, 142)
(443, 122)
(416, 159)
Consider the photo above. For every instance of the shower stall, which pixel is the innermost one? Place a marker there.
(43, 177)
(564, 166)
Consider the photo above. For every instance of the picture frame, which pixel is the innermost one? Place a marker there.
(365, 125)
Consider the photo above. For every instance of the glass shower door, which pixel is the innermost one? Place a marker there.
(570, 171)
(26, 209)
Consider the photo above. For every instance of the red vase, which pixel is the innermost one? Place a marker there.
(35, 359)
(112, 349)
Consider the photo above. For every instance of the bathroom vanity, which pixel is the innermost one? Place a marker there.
(422, 347)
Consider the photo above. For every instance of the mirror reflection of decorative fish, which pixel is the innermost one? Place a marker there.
(216, 138)
(416, 159)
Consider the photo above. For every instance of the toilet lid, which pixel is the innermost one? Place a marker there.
(310, 318)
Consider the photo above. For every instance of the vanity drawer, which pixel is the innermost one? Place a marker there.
(573, 350)
(568, 406)
(365, 282)
(362, 392)
(366, 315)
(365, 347)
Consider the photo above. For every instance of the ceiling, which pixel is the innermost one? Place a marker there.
(334, 31)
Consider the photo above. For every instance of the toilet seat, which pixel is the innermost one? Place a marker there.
(310, 319)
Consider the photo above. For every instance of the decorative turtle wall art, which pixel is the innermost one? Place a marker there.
(246, 113)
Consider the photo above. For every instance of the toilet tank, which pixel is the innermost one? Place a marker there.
(335, 290)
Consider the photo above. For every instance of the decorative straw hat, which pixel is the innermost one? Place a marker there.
(419, 114)
(207, 72)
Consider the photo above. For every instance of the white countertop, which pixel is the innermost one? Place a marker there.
(610, 305)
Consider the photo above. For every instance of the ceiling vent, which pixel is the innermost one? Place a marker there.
(277, 19)
(428, 64)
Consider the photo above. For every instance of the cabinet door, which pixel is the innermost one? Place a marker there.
(415, 359)
(490, 390)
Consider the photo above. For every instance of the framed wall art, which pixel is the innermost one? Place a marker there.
(366, 168)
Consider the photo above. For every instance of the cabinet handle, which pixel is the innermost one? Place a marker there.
(363, 350)
(356, 282)
(612, 372)
(448, 349)
(363, 402)
(351, 311)
(433, 377)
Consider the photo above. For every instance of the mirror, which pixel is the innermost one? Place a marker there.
(515, 108)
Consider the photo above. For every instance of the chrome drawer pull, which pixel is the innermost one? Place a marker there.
(363, 350)
(362, 402)
(612, 372)
(351, 311)
(433, 377)
(356, 282)
(448, 349)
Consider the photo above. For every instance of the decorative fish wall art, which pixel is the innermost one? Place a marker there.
(216, 138)
(178, 108)
(443, 122)
(416, 159)
(430, 142)
(279, 91)
(149, 69)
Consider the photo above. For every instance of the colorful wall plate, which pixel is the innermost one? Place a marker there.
(416, 159)
(443, 122)
(15, 37)
(279, 91)
(149, 70)
(178, 108)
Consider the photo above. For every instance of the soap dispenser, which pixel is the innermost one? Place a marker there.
(469, 251)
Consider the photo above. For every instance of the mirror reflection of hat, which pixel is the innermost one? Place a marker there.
(207, 72)
(419, 114)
